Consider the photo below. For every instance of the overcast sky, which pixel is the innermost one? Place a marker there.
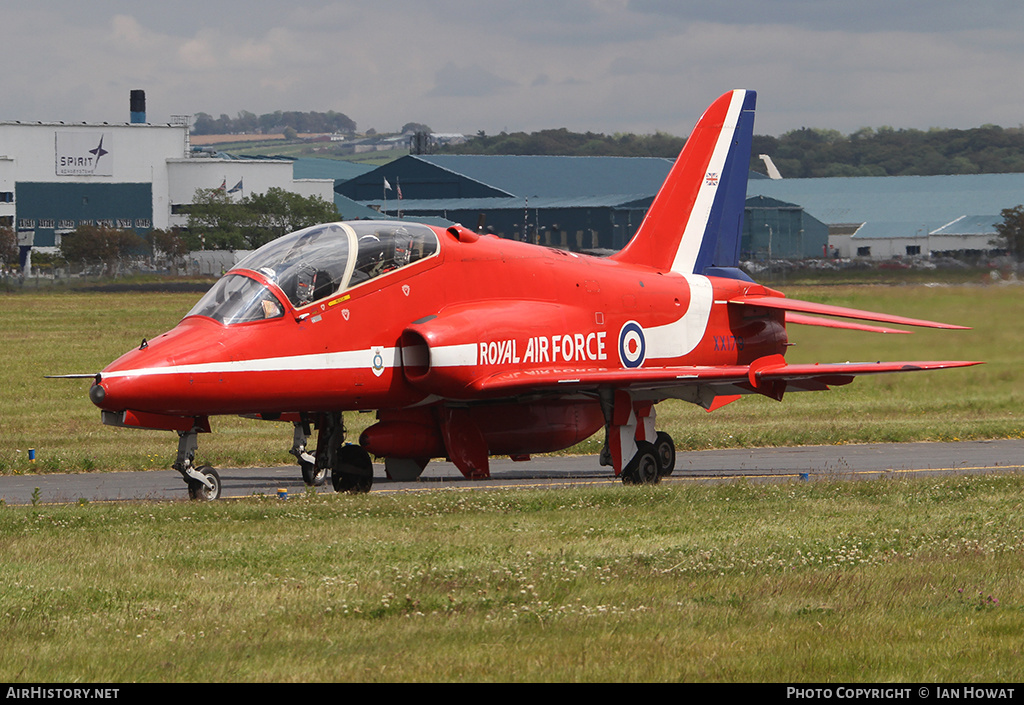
(467, 65)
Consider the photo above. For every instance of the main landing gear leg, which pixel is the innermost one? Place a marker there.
(203, 482)
(630, 433)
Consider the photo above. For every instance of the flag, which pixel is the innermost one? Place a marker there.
(387, 186)
(236, 188)
(399, 192)
(223, 185)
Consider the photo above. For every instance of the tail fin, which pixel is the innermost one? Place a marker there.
(696, 219)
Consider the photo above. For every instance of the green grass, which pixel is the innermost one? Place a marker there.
(908, 581)
(315, 150)
(54, 333)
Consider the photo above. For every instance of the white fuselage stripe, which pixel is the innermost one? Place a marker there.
(672, 340)
(443, 356)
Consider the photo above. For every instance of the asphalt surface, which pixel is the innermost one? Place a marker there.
(806, 463)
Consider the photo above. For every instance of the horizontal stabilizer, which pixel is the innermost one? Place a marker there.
(797, 306)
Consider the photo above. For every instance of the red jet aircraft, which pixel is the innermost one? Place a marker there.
(468, 345)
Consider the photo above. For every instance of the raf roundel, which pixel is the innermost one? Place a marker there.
(632, 346)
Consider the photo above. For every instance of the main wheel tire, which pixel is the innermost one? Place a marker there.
(313, 475)
(666, 450)
(353, 470)
(197, 490)
(643, 467)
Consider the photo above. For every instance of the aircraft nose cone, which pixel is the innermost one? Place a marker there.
(97, 393)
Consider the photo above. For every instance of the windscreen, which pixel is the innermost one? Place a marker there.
(238, 299)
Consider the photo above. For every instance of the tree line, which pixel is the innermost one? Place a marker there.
(272, 123)
(562, 142)
(803, 153)
(989, 149)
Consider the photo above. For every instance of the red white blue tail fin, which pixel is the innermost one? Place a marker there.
(696, 220)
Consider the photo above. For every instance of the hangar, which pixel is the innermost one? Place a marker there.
(579, 203)
(597, 203)
(590, 204)
(774, 229)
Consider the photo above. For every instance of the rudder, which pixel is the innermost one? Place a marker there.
(696, 219)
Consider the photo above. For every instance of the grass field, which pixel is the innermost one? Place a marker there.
(906, 581)
(53, 333)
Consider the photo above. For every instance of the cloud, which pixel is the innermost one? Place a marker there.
(926, 16)
(471, 81)
(601, 65)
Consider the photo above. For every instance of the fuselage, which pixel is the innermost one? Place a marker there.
(472, 307)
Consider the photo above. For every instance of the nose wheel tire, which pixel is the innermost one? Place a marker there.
(197, 490)
(313, 475)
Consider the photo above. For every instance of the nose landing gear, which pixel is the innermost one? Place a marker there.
(350, 466)
(206, 489)
(204, 482)
(313, 474)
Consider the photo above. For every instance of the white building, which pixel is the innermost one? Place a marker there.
(56, 176)
(899, 216)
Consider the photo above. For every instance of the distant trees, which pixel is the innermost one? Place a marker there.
(171, 246)
(9, 256)
(800, 153)
(415, 127)
(1011, 232)
(989, 149)
(564, 142)
(98, 244)
(807, 152)
(206, 124)
(218, 222)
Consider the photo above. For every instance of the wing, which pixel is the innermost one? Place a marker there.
(771, 376)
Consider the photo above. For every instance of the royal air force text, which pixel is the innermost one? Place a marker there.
(575, 347)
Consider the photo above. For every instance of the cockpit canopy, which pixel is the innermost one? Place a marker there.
(313, 264)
